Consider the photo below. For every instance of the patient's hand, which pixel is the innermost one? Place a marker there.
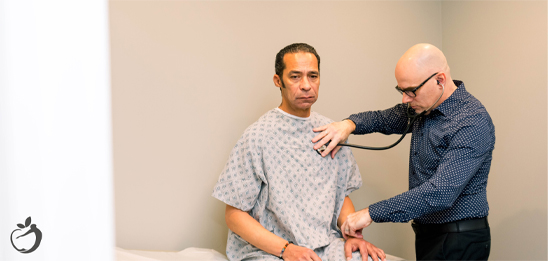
(366, 248)
(293, 252)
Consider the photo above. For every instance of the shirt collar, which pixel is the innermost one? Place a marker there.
(452, 102)
(293, 116)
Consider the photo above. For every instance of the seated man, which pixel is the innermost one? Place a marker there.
(283, 199)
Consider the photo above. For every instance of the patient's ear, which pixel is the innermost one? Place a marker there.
(277, 81)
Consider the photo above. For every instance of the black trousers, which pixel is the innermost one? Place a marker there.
(469, 245)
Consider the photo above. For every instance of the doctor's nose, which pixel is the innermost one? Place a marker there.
(406, 99)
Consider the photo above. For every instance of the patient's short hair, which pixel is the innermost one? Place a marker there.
(279, 64)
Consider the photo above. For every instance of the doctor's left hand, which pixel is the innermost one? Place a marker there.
(355, 222)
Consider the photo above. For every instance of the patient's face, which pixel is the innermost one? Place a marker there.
(301, 79)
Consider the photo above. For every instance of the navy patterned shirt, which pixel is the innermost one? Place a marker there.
(449, 161)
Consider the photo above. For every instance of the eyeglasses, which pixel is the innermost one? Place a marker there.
(411, 93)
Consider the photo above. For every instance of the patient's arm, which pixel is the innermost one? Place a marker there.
(347, 209)
(241, 223)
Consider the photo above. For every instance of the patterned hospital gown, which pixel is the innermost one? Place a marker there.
(274, 174)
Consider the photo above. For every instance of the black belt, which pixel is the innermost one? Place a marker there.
(451, 227)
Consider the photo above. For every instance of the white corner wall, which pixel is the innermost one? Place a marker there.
(55, 130)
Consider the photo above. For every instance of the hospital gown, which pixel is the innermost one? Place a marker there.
(274, 174)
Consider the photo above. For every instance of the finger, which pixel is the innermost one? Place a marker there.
(333, 152)
(324, 138)
(330, 147)
(321, 128)
(354, 234)
(315, 257)
(382, 255)
(357, 233)
(344, 228)
(319, 136)
(363, 252)
(350, 233)
(373, 255)
(344, 235)
(348, 250)
(376, 253)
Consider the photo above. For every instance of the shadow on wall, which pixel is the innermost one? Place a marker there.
(216, 215)
(521, 229)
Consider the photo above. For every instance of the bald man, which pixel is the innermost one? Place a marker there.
(451, 150)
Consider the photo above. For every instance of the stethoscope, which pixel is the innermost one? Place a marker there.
(411, 118)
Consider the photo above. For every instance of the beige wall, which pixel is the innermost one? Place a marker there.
(189, 77)
(499, 49)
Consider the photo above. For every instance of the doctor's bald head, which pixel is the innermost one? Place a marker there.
(422, 59)
(424, 77)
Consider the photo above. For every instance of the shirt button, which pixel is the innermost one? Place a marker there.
(415, 153)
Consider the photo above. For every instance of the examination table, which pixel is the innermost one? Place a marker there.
(189, 254)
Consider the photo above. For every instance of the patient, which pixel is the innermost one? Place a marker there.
(283, 199)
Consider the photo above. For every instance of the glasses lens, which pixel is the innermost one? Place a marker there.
(410, 94)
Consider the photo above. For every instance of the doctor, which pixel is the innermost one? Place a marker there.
(449, 161)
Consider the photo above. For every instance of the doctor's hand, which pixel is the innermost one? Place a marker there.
(297, 253)
(366, 249)
(336, 132)
(355, 222)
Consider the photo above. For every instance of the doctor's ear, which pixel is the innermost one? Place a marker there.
(440, 82)
(440, 79)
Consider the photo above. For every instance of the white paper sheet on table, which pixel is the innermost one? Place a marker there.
(189, 254)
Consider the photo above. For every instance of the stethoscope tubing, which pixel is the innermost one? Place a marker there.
(411, 119)
(409, 124)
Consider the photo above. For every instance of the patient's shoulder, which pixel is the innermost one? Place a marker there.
(318, 120)
(258, 131)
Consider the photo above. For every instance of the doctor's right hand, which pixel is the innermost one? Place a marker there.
(355, 222)
(336, 132)
(297, 253)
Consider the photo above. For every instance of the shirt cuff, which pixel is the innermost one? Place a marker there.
(375, 211)
(355, 118)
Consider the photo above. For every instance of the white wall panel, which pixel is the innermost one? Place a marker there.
(55, 129)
